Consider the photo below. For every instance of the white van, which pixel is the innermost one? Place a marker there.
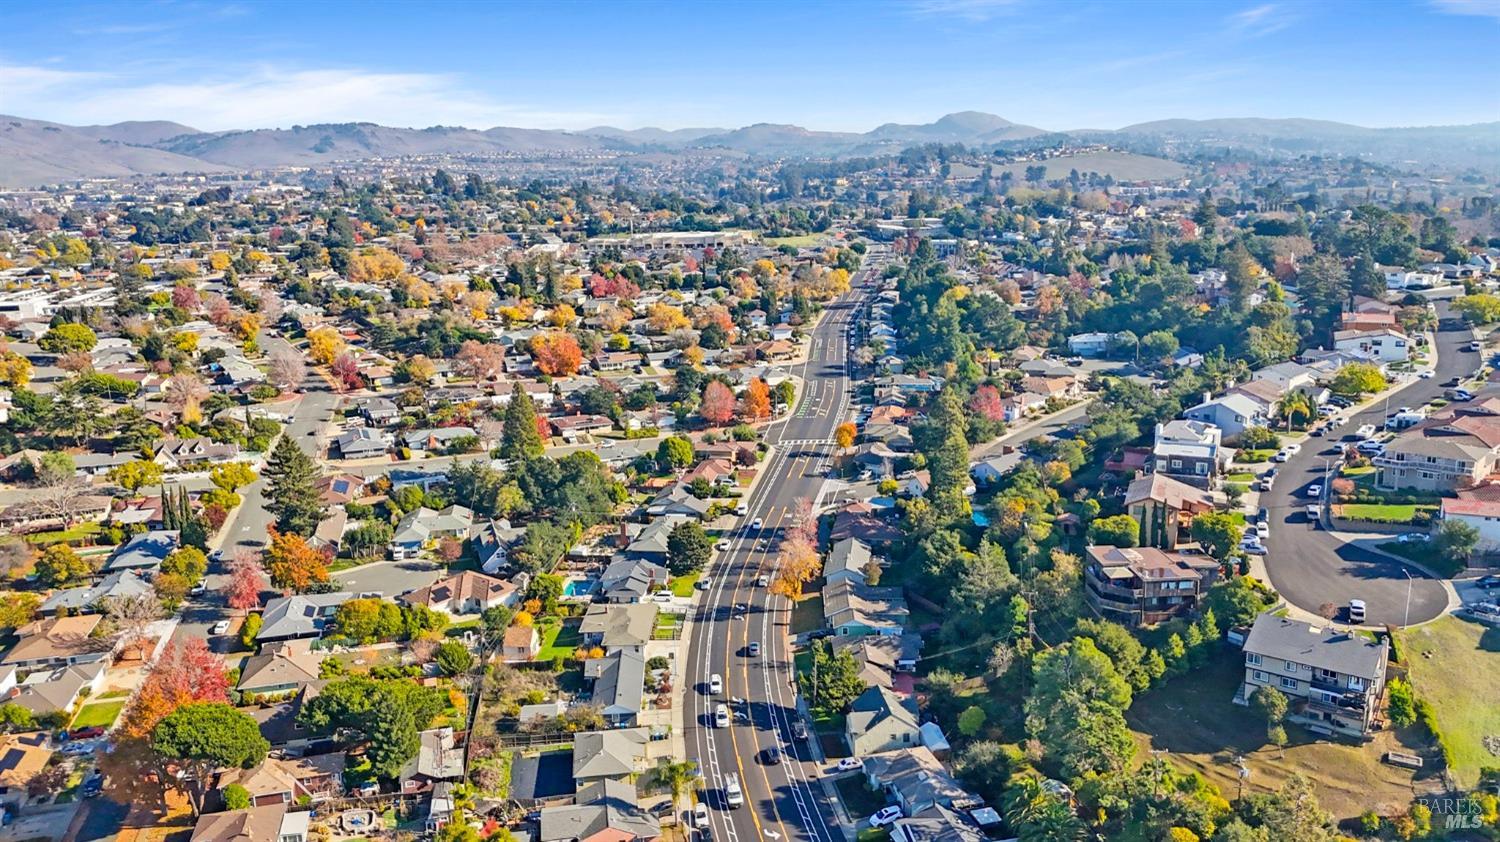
(1356, 611)
(733, 795)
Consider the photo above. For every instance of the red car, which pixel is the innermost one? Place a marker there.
(87, 733)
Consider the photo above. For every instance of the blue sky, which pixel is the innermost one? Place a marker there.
(824, 65)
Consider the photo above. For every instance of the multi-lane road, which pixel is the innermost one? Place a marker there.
(1311, 567)
(785, 800)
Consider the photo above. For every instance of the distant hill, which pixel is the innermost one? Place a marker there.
(35, 152)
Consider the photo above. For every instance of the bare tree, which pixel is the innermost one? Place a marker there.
(270, 307)
(131, 617)
(184, 392)
(60, 495)
(16, 557)
(287, 370)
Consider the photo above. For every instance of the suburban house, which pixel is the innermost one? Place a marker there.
(1089, 344)
(915, 779)
(422, 526)
(299, 615)
(879, 720)
(1232, 413)
(880, 657)
(288, 780)
(55, 689)
(195, 453)
(571, 427)
(143, 553)
(521, 643)
(1190, 451)
(57, 642)
(618, 627)
(619, 680)
(1444, 454)
(338, 489)
(22, 757)
(1386, 345)
(1143, 586)
(1165, 507)
(378, 411)
(268, 823)
(1333, 677)
(614, 755)
(464, 593)
(630, 580)
(361, 443)
(280, 668)
(937, 823)
(95, 597)
(1482, 514)
(605, 810)
(846, 562)
(852, 609)
(492, 544)
(440, 757)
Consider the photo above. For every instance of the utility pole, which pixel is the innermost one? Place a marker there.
(1406, 615)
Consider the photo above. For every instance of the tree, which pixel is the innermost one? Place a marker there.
(797, 564)
(286, 370)
(1455, 541)
(202, 737)
(1077, 705)
(324, 345)
(971, 720)
(185, 393)
(246, 581)
(1159, 345)
(454, 658)
(843, 435)
(1238, 601)
(833, 683)
(556, 353)
(15, 370)
(231, 476)
(1218, 533)
(14, 717)
(757, 401)
(292, 564)
(522, 438)
(17, 608)
(188, 562)
(1402, 703)
(292, 492)
(674, 453)
(1357, 379)
(236, 797)
(59, 564)
(1481, 309)
(676, 776)
(68, 336)
(133, 476)
(1272, 705)
(717, 407)
(480, 360)
(688, 548)
(1116, 531)
(345, 371)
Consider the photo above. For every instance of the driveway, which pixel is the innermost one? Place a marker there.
(1311, 567)
(389, 578)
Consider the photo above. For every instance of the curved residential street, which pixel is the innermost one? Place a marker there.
(1309, 566)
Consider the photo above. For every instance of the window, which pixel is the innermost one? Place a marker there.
(1252, 659)
(1289, 666)
(1288, 683)
(1259, 676)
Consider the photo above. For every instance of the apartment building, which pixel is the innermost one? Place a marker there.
(1333, 678)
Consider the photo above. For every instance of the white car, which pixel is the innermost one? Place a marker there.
(1281, 456)
(1426, 375)
(1262, 530)
(755, 524)
(1365, 431)
(1292, 449)
(1411, 538)
(1253, 546)
(1315, 490)
(662, 597)
(763, 580)
(700, 816)
(849, 764)
(721, 716)
(723, 545)
(221, 627)
(885, 816)
(715, 684)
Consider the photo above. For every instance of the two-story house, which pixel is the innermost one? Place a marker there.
(1143, 586)
(1334, 678)
(1233, 413)
(1190, 451)
(1385, 345)
(1445, 454)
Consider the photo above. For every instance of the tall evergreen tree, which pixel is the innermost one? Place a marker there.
(521, 438)
(292, 489)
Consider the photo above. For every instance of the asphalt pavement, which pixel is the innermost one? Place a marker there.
(785, 800)
(1310, 567)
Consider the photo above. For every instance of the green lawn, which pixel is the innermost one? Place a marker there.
(1242, 477)
(668, 626)
(683, 585)
(1250, 457)
(559, 639)
(1382, 512)
(102, 714)
(807, 614)
(1361, 471)
(1453, 666)
(803, 241)
(64, 536)
(859, 801)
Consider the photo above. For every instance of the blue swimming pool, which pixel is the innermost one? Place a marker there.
(579, 587)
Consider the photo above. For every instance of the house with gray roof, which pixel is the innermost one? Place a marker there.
(116, 585)
(144, 553)
(1333, 677)
(915, 779)
(630, 579)
(605, 809)
(846, 561)
(608, 755)
(422, 525)
(58, 689)
(299, 615)
(361, 443)
(619, 685)
(879, 720)
(493, 542)
(617, 627)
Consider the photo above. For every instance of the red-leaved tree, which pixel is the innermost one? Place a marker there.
(986, 403)
(246, 581)
(718, 403)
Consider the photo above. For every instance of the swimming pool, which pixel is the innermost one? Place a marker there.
(579, 587)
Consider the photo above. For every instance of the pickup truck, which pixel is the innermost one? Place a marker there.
(1365, 431)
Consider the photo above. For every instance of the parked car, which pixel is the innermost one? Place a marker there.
(1365, 431)
(1411, 538)
(1314, 514)
(662, 597)
(1426, 375)
(799, 731)
(220, 628)
(1356, 611)
(1315, 490)
(700, 815)
(1252, 546)
(1262, 530)
(1281, 456)
(722, 545)
(849, 764)
(885, 816)
(1487, 582)
(755, 524)
(1292, 449)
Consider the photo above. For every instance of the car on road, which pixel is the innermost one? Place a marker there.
(93, 787)
(799, 731)
(755, 524)
(700, 815)
(219, 628)
(722, 545)
(1356, 611)
(1262, 529)
(754, 649)
(1281, 456)
(1426, 375)
(721, 716)
(885, 815)
(1314, 514)
(742, 509)
(1489, 582)
(772, 756)
(1453, 381)
(199, 588)
(1252, 546)
(1264, 483)
(1263, 515)
(849, 764)
(1476, 345)
(1315, 490)
(715, 684)
(1292, 449)
(1328, 409)
(763, 580)
(1411, 538)
(1460, 395)
(1371, 447)
(733, 795)
(1365, 431)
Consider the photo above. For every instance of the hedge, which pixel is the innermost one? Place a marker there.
(1427, 717)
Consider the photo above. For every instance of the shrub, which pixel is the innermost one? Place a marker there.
(1400, 700)
(249, 630)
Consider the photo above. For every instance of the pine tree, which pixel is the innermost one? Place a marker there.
(521, 438)
(292, 490)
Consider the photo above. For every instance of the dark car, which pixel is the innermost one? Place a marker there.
(93, 787)
(773, 756)
(799, 731)
(86, 733)
(1487, 582)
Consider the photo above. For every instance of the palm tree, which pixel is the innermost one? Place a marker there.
(1296, 403)
(677, 777)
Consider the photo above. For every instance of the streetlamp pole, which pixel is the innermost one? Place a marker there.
(1406, 616)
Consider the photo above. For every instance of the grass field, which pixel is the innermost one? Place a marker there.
(1381, 512)
(1359, 471)
(102, 714)
(1454, 663)
(668, 626)
(802, 242)
(1124, 166)
(559, 639)
(1194, 721)
(65, 536)
(1243, 478)
(683, 585)
(807, 614)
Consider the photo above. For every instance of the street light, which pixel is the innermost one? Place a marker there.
(1406, 616)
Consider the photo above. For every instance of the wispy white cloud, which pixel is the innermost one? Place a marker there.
(265, 97)
(969, 10)
(1477, 8)
(1262, 20)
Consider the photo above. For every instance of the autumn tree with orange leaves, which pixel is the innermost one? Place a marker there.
(292, 564)
(843, 435)
(798, 563)
(718, 404)
(757, 401)
(556, 354)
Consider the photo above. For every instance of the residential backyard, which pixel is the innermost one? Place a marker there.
(1454, 664)
(807, 613)
(101, 714)
(559, 638)
(1193, 720)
